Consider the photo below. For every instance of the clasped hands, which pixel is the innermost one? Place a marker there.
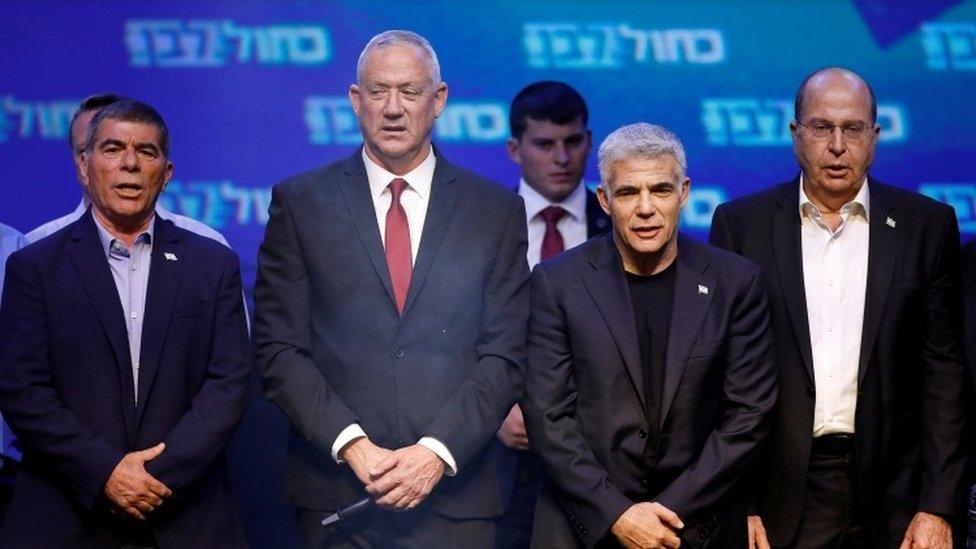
(131, 490)
(397, 479)
(648, 525)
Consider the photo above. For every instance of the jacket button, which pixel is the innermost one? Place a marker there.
(398, 352)
(642, 433)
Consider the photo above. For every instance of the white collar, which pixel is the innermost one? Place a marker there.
(419, 179)
(862, 199)
(574, 204)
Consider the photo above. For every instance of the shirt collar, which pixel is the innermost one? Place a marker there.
(419, 179)
(107, 238)
(574, 204)
(861, 201)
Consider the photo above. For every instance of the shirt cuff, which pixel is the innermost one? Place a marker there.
(442, 452)
(347, 435)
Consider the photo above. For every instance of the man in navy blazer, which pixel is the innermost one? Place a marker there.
(867, 440)
(390, 312)
(123, 362)
(651, 369)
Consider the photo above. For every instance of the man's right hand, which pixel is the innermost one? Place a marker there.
(757, 533)
(132, 489)
(512, 432)
(362, 456)
(648, 525)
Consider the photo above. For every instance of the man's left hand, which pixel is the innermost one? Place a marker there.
(405, 478)
(927, 531)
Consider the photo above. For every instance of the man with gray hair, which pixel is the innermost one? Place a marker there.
(650, 368)
(391, 306)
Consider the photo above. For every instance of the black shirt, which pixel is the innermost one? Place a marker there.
(652, 297)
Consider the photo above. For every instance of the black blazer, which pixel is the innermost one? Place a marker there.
(584, 399)
(597, 220)
(910, 414)
(66, 387)
(333, 350)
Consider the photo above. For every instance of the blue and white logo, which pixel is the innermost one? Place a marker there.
(331, 121)
(755, 122)
(950, 46)
(564, 45)
(961, 196)
(172, 43)
(702, 201)
(27, 119)
(219, 204)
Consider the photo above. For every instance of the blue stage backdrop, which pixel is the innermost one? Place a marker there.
(256, 91)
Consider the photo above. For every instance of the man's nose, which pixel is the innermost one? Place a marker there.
(837, 143)
(393, 108)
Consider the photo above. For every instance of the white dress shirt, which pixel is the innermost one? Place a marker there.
(572, 226)
(414, 199)
(835, 273)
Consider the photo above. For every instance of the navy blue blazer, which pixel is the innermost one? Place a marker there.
(66, 387)
(333, 350)
(585, 396)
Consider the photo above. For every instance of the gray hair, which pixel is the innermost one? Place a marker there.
(640, 140)
(397, 38)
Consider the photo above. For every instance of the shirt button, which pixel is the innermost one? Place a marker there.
(398, 352)
(134, 267)
(134, 314)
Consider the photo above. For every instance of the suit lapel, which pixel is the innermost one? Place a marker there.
(788, 250)
(161, 292)
(607, 285)
(89, 260)
(693, 291)
(440, 210)
(355, 190)
(882, 246)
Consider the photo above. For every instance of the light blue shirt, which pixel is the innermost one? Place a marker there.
(10, 242)
(130, 271)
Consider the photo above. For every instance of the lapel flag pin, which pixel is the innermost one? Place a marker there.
(703, 289)
(169, 256)
(890, 222)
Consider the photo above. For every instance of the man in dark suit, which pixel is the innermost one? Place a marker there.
(551, 143)
(866, 444)
(650, 369)
(123, 362)
(391, 306)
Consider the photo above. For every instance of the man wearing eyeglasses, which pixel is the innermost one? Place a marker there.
(866, 444)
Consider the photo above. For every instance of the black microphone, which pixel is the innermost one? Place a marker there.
(348, 511)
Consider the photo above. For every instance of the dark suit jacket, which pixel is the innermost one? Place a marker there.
(66, 387)
(909, 418)
(333, 351)
(585, 394)
(597, 220)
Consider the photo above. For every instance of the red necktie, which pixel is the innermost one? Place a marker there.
(552, 241)
(398, 254)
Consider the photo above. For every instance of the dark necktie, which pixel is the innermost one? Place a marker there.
(398, 255)
(552, 241)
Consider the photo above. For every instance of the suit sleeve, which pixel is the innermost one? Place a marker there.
(750, 389)
(969, 309)
(943, 409)
(81, 459)
(203, 432)
(282, 334)
(469, 419)
(549, 406)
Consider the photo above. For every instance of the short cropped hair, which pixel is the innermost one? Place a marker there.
(547, 100)
(88, 104)
(129, 110)
(396, 38)
(640, 140)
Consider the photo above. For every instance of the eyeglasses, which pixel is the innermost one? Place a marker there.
(822, 130)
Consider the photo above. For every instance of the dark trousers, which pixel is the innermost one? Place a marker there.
(381, 529)
(830, 517)
(515, 524)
